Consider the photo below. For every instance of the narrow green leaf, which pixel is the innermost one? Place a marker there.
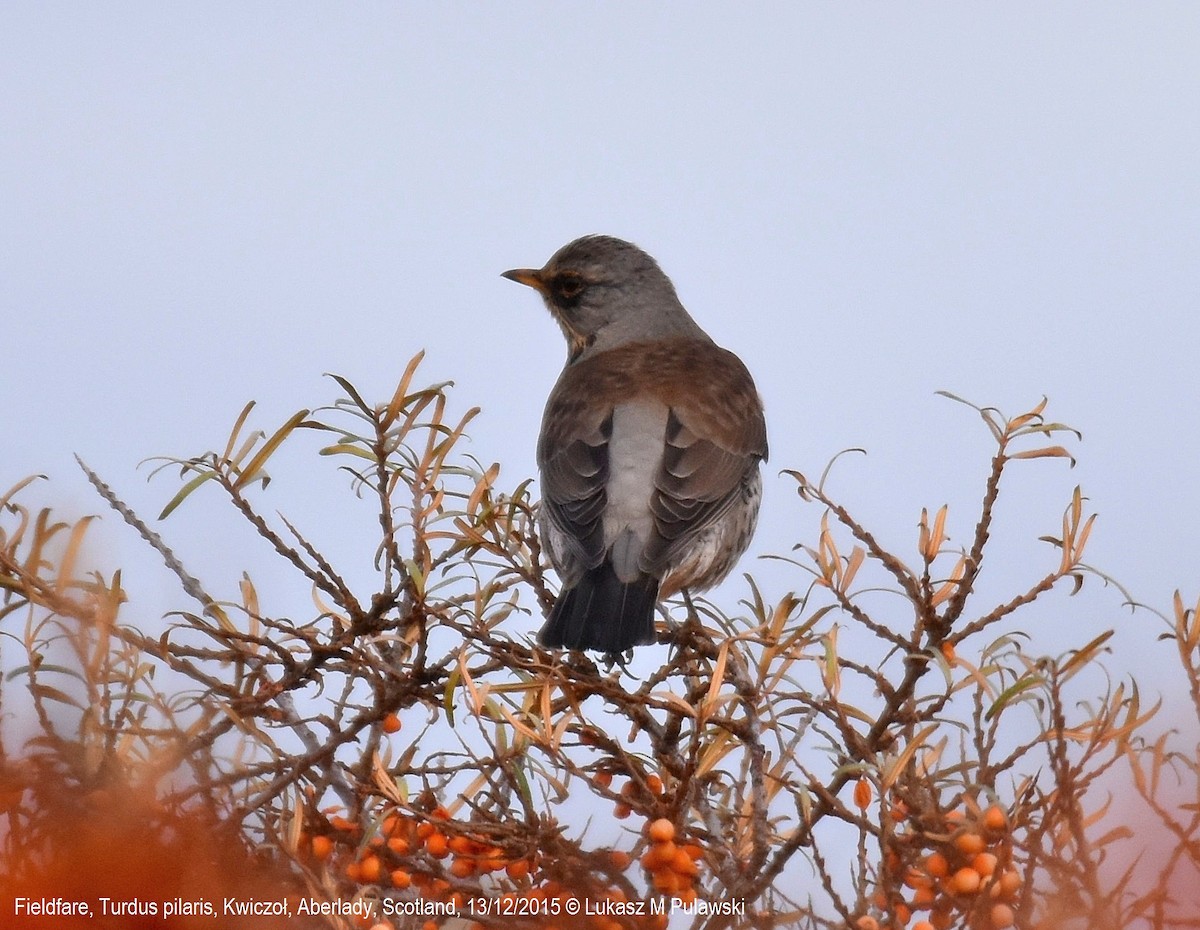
(518, 772)
(414, 573)
(448, 697)
(354, 395)
(184, 492)
(1026, 683)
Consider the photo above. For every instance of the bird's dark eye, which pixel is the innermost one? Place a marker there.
(567, 288)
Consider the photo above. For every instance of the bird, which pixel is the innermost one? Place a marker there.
(649, 448)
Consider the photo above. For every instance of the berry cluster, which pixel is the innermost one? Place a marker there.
(430, 853)
(671, 868)
(962, 871)
(387, 858)
(632, 794)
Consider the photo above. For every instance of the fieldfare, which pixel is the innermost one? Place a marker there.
(649, 447)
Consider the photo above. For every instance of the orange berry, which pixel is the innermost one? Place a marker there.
(370, 869)
(867, 922)
(438, 846)
(628, 790)
(400, 878)
(391, 724)
(1009, 884)
(602, 779)
(429, 925)
(462, 868)
(942, 919)
(969, 844)
(683, 864)
(994, 818)
(955, 816)
(903, 913)
(425, 830)
(620, 860)
(948, 652)
(922, 925)
(1002, 916)
(936, 865)
(915, 878)
(695, 850)
(462, 846)
(322, 847)
(621, 810)
(899, 811)
(984, 863)
(517, 869)
(494, 861)
(659, 856)
(655, 784)
(661, 830)
(923, 897)
(862, 793)
(399, 845)
(965, 881)
(665, 881)
(354, 871)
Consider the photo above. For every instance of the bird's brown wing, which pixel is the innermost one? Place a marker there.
(716, 436)
(572, 458)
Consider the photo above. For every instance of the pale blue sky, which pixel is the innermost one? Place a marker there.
(204, 204)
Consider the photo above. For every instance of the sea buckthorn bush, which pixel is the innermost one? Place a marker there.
(878, 741)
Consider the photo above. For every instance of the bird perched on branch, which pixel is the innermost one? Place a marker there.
(649, 449)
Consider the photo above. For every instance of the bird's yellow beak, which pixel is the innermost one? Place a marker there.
(530, 277)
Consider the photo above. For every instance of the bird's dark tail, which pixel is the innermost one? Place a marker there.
(602, 612)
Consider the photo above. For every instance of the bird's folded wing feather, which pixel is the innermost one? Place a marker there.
(573, 459)
(715, 436)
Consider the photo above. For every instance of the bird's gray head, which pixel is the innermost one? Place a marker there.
(606, 292)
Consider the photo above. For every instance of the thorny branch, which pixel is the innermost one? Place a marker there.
(422, 745)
